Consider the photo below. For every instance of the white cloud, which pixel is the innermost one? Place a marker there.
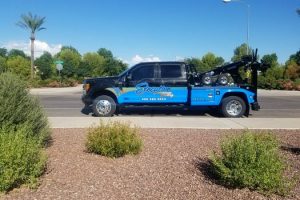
(39, 47)
(137, 59)
(179, 58)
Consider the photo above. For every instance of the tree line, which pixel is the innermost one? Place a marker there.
(75, 66)
(103, 63)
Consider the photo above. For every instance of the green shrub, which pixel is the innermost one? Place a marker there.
(54, 82)
(114, 139)
(21, 157)
(18, 107)
(251, 160)
(297, 84)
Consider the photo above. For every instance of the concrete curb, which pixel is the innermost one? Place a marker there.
(281, 93)
(181, 122)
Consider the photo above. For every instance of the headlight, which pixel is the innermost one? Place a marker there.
(86, 88)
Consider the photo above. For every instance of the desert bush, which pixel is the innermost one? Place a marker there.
(288, 85)
(251, 160)
(114, 139)
(21, 157)
(18, 107)
(54, 82)
(69, 82)
(269, 82)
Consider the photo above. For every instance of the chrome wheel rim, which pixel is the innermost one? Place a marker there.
(223, 80)
(103, 107)
(234, 108)
(207, 80)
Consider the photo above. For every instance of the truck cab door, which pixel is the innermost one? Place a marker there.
(140, 84)
(174, 77)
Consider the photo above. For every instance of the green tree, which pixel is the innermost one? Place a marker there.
(16, 52)
(208, 62)
(19, 65)
(70, 48)
(44, 64)
(292, 70)
(3, 52)
(292, 67)
(112, 66)
(92, 65)
(272, 77)
(71, 60)
(239, 52)
(107, 54)
(33, 23)
(194, 61)
(3, 65)
(296, 57)
(271, 60)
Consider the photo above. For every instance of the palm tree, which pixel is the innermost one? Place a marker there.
(33, 23)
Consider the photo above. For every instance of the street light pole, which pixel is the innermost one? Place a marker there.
(248, 18)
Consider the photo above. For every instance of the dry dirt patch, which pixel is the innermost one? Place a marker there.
(167, 168)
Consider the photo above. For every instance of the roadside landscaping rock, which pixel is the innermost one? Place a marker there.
(169, 167)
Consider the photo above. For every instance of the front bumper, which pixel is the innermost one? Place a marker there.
(255, 106)
(86, 100)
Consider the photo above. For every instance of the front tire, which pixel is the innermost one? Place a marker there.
(233, 106)
(104, 106)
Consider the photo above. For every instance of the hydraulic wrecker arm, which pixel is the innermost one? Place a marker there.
(247, 63)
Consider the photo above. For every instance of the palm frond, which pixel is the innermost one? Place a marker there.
(32, 22)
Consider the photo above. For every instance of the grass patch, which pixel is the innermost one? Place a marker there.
(252, 160)
(113, 139)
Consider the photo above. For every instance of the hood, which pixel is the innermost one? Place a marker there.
(102, 81)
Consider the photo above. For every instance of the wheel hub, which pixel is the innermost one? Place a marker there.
(234, 108)
(103, 107)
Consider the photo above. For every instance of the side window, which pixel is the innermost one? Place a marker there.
(143, 72)
(171, 71)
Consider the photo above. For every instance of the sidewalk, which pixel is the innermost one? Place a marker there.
(181, 122)
(281, 93)
(56, 91)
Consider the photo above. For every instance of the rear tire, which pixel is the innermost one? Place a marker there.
(233, 106)
(104, 106)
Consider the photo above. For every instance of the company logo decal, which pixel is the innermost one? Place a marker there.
(162, 90)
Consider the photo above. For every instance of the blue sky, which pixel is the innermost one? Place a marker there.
(139, 30)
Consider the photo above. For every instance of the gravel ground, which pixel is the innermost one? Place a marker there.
(171, 166)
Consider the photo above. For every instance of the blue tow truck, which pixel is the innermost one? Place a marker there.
(231, 88)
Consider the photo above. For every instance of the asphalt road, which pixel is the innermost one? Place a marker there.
(70, 105)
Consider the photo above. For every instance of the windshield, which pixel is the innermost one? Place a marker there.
(124, 72)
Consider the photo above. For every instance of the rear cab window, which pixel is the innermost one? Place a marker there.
(172, 71)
